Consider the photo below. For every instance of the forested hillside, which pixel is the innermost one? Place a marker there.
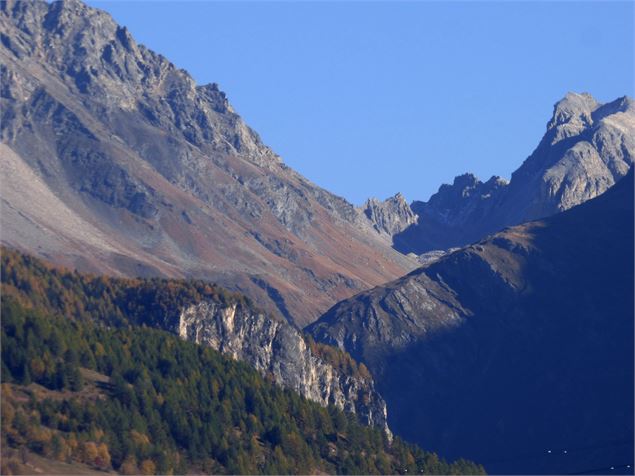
(154, 302)
(83, 383)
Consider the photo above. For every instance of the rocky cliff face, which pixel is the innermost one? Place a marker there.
(276, 349)
(391, 216)
(517, 344)
(587, 147)
(152, 174)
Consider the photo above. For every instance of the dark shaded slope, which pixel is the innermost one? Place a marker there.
(513, 346)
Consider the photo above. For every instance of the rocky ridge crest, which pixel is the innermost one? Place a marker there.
(391, 216)
(587, 147)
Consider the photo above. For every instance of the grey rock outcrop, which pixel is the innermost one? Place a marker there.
(274, 348)
(391, 216)
(430, 257)
(587, 147)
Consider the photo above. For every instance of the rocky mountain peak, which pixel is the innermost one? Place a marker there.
(573, 106)
(465, 181)
(571, 115)
(588, 146)
(163, 169)
(465, 188)
(103, 60)
(391, 216)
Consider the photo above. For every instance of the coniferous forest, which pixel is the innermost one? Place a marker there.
(88, 378)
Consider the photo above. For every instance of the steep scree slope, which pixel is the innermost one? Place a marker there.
(114, 160)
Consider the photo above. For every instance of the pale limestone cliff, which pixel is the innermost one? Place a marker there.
(275, 348)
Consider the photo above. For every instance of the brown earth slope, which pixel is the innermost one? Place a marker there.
(113, 160)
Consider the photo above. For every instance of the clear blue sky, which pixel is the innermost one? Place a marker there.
(368, 99)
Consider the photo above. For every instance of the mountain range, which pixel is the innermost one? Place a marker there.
(512, 347)
(493, 321)
(115, 161)
(587, 147)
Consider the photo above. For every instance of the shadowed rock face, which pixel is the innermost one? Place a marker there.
(588, 146)
(512, 346)
(275, 348)
(118, 162)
